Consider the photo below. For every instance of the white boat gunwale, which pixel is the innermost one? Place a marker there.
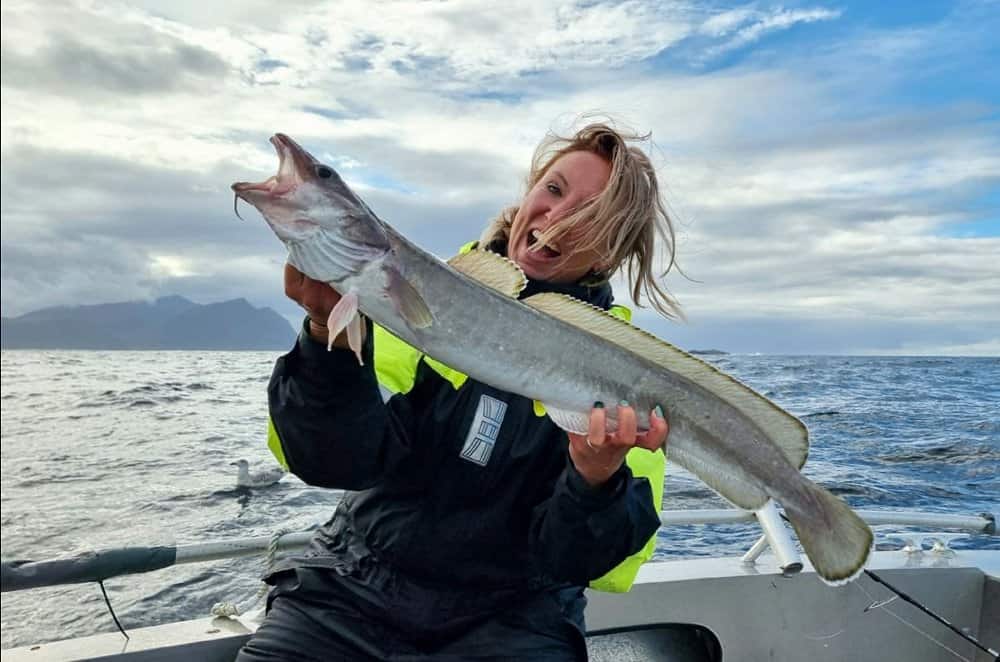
(683, 590)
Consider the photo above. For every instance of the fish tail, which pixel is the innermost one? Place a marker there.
(836, 540)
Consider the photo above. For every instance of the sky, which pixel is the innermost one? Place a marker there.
(832, 168)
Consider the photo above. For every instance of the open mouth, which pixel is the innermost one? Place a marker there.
(287, 178)
(535, 245)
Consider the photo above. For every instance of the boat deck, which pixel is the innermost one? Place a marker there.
(752, 611)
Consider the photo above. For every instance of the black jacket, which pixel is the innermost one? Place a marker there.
(433, 498)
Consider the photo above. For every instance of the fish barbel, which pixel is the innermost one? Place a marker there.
(552, 348)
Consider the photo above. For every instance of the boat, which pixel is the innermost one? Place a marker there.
(919, 601)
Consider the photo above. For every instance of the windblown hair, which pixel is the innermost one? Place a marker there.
(621, 223)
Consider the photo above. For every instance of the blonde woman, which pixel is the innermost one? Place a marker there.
(473, 524)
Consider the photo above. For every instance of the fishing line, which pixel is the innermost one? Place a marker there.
(880, 603)
(968, 637)
(111, 609)
(876, 604)
(913, 601)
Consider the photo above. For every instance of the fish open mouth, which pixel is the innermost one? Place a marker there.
(543, 249)
(291, 159)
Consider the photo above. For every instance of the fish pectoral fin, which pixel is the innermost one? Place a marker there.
(355, 337)
(408, 302)
(786, 431)
(492, 270)
(341, 317)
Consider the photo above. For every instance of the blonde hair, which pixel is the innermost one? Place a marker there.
(621, 223)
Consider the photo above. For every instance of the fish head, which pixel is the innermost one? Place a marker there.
(307, 202)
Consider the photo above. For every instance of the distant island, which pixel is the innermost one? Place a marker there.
(170, 322)
(708, 352)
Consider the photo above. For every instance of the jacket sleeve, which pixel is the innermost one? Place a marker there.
(333, 427)
(581, 532)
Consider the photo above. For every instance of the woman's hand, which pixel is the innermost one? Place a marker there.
(316, 297)
(598, 455)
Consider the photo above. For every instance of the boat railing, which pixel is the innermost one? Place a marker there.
(96, 566)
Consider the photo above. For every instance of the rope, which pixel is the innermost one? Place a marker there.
(107, 601)
(231, 609)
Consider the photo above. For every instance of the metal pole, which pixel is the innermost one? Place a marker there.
(101, 565)
(779, 539)
(227, 549)
(983, 523)
(704, 516)
(755, 551)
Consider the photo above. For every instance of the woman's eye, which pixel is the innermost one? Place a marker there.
(554, 189)
(324, 172)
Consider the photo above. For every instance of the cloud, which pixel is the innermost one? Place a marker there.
(744, 333)
(740, 27)
(114, 60)
(85, 228)
(719, 34)
(69, 66)
(476, 41)
(806, 193)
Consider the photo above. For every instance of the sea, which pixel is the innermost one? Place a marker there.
(111, 449)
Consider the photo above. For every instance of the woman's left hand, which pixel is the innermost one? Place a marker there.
(598, 455)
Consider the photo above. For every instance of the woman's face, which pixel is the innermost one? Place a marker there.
(571, 181)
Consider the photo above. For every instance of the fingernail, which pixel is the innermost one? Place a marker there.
(658, 410)
(598, 405)
(623, 403)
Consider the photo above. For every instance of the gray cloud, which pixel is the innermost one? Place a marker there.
(79, 228)
(150, 64)
(78, 194)
(797, 335)
(475, 174)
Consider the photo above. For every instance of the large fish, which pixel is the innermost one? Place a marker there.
(551, 348)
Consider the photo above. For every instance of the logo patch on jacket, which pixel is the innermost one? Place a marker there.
(484, 430)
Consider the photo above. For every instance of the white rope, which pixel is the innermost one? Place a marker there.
(231, 609)
(225, 610)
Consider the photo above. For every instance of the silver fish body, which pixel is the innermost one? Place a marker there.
(559, 353)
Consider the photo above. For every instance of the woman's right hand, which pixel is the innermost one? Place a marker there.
(316, 297)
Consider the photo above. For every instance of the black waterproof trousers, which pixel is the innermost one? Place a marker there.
(317, 614)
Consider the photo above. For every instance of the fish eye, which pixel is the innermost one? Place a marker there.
(324, 172)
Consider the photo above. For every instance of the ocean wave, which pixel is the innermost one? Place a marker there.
(86, 467)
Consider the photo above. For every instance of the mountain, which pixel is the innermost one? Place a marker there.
(171, 322)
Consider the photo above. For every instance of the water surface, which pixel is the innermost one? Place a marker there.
(105, 449)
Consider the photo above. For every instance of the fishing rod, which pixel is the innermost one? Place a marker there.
(913, 601)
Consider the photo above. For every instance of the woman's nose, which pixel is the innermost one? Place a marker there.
(548, 214)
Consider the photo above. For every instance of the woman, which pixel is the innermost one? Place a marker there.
(475, 524)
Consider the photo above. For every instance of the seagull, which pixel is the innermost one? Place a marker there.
(264, 478)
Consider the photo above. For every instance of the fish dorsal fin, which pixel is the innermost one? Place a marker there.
(492, 270)
(784, 429)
